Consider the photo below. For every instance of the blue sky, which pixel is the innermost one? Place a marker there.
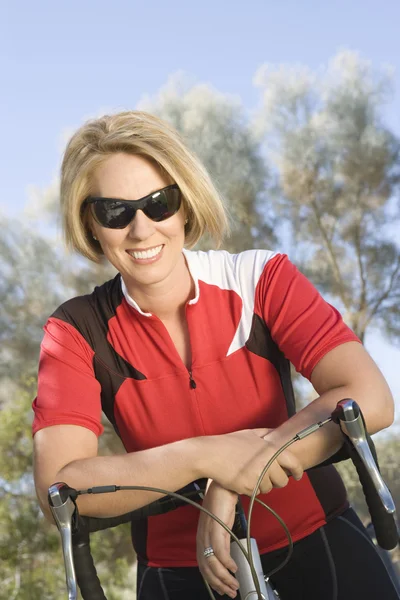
(64, 62)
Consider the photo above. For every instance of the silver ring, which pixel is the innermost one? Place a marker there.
(208, 552)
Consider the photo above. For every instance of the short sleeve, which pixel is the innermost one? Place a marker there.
(303, 325)
(68, 392)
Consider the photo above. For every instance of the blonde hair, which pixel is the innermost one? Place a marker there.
(136, 132)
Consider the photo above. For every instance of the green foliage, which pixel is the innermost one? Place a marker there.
(30, 548)
(29, 552)
(15, 435)
(31, 556)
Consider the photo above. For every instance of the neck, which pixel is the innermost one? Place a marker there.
(167, 298)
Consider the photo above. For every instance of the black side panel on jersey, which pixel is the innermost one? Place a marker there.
(90, 315)
(139, 531)
(330, 490)
(261, 343)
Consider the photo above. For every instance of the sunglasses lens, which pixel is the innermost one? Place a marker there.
(114, 215)
(163, 205)
(117, 214)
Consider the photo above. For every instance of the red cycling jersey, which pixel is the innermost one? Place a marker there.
(252, 315)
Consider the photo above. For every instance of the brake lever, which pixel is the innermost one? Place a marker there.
(351, 421)
(63, 509)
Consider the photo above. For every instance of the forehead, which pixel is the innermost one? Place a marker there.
(128, 177)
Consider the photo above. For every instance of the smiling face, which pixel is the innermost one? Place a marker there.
(148, 254)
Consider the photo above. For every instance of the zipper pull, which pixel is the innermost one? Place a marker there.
(192, 381)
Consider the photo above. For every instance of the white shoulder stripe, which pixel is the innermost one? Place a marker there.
(237, 272)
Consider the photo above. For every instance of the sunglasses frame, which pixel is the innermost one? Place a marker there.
(138, 204)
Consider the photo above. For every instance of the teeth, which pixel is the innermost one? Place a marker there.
(147, 253)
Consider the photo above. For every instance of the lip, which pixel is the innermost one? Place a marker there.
(143, 249)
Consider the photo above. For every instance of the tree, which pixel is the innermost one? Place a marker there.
(337, 172)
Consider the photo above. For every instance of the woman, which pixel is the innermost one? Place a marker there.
(187, 353)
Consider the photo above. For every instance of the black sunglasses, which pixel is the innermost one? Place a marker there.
(117, 214)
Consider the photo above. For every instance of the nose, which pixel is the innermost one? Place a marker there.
(141, 227)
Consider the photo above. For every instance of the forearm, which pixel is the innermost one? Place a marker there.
(323, 443)
(169, 467)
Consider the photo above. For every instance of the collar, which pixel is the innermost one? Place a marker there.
(190, 259)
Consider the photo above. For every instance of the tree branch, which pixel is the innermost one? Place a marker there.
(331, 253)
(363, 293)
(386, 294)
(362, 306)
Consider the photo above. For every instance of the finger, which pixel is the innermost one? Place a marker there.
(219, 577)
(213, 566)
(278, 477)
(291, 463)
(266, 485)
(220, 541)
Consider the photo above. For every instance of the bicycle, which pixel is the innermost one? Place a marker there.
(253, 583)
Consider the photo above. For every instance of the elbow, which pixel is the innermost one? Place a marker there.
(42, 493)
(42, 497)
(389, 413)
(383, 414)
(387, 407)
(47, 514)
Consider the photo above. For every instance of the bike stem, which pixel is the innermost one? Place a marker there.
(244, 575)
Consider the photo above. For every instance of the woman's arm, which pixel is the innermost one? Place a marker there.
(347, 371)
(68, 453)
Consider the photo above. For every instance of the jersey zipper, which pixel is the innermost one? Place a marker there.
(192, 382)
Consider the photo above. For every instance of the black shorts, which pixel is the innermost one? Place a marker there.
(336, 562)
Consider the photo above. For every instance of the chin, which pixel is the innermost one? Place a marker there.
(152, 276)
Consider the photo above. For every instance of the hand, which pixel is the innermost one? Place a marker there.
(236, 460)
(215, 569)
